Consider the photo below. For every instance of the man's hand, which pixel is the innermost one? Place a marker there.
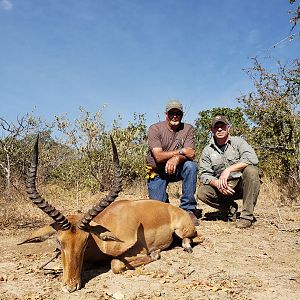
(227, 191)
(222, 182)
(172, 164)
(224, 189)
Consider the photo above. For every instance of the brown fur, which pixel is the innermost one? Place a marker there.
(132, 232)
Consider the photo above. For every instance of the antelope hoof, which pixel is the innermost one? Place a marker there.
(155, 255)
(186, 245)
(70, 289)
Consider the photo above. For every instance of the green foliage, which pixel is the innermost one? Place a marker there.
(89, 138)
(15, 148)
(89, 163)
(269, 119)
(132, 146)
(273, 110)
(56, 158)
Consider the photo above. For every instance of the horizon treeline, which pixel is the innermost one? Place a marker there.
(267, 117)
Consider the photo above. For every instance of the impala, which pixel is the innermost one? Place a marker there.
(130, 233)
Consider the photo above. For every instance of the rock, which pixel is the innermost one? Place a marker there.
(118, 295)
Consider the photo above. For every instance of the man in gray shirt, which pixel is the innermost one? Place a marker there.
(228, 172)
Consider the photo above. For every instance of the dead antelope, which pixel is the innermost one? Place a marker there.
(132, 233)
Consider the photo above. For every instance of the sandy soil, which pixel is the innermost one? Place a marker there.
(262, 262)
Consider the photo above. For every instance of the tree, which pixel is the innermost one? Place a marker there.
(89, 137)
(295, 14)
(273, 109)
(133, 148)
(89, 166)
(14, 149)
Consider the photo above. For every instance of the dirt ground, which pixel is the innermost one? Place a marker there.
(262, 262)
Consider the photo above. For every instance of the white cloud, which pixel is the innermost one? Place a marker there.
(6, 5)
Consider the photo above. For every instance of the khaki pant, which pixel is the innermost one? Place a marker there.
(246, 187)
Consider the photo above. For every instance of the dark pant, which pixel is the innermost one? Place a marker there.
(246, 187)
(187, 172)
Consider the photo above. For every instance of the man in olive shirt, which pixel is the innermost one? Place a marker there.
(170, 158)
(228, 171)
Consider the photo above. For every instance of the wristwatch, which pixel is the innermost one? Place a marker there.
(181, 151)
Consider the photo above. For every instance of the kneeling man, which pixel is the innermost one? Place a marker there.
(228, 172)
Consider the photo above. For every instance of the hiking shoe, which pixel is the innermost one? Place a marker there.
(232, 211)
(243, 223)
(194, 218)
(198, 213)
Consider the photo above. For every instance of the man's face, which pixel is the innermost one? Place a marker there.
(220, 130)
(174, 116)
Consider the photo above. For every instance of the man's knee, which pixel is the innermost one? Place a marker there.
(190, 166)
(251, 172)
(208, 195)
(204, 192)
(157, 189)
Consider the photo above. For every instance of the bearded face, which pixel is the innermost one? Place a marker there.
(174, 117)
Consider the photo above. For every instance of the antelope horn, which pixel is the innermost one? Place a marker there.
(113, 194)
(36, 198)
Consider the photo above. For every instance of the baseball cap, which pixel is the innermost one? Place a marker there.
(174, 104)
(217, 119)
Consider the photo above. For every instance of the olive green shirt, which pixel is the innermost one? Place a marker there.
(213, 161)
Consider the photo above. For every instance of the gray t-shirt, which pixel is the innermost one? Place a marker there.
(161, 136)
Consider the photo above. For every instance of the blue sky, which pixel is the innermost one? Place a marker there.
(134, 55)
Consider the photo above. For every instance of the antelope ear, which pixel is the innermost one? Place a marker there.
(103, 234)
(108, 236)
(41, 234)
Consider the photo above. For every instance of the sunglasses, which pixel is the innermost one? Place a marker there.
(222, 126)
(175, 113)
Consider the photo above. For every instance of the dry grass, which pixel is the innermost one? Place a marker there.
(225, 266)
(17, 211)
(276, 208)
(278, 195)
